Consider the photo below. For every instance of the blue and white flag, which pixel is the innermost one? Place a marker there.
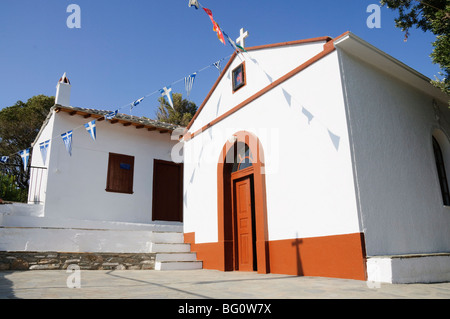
(67, 139)
(25, 154)
(111, 115)
(136, 103)
(167, 93)
(43, 147)
(237, 47)
(189, 82)
(217, 65)
(4, 159)
(92, 129)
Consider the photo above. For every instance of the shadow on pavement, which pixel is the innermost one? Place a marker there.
(6, 286)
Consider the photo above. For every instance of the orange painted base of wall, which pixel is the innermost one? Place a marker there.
(339, 256)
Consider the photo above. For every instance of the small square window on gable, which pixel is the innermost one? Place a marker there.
(120, 173)
(239, 77)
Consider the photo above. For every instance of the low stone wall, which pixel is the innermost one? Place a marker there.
(86, 261)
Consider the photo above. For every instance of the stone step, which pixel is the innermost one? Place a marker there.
(163, 257)
(84, 240)
(178, 265)
(167, 237)
(170, 248)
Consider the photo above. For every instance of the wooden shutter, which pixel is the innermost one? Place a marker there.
(120, 173)
(167, 191)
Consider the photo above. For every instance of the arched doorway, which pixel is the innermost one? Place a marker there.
(242, 213)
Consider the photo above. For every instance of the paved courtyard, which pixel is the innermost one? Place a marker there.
(199, 284)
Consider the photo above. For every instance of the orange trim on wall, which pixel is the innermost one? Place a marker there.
(338, 256)
(209, 253)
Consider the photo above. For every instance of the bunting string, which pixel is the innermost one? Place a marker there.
(165, 92)
(91, 127)
(289, 97)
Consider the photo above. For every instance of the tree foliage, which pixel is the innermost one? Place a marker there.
(428, 15)
(19, 126)
(181, 114)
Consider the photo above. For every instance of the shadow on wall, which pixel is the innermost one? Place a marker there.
(6, 286)
(296, 243)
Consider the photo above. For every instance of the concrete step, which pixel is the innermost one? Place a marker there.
(167, 237)
(178, 265)
(89, 240)
(170, 248)
(163, 257)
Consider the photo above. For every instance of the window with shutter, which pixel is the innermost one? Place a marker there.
(120, 173)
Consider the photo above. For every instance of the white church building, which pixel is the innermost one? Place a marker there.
(320, 157)
(317, 157)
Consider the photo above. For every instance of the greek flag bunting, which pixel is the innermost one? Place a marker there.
(189, 82)
(92, 129)
(4, 159)
(167, 93)
(111, 115)
(136, 103)
(67, 139)
(217, 65)
(25, 154)
(43, 147)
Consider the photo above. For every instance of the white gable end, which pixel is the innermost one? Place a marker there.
(263, 66)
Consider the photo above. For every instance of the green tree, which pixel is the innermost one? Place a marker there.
(19, 125)
(428, 15)
(181, 113)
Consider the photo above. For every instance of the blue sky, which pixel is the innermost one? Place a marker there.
(128, 49)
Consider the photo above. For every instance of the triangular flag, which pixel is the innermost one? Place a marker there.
(167, 93)
(136, 102)
(25, 154)
(237, 47)
(67, 139)
(92, 129)
(111, 115)
(216, 27)
(4, 159)
(189, 82)
(217, 65)
(43, 147)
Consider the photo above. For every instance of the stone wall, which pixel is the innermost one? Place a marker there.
(86, 261)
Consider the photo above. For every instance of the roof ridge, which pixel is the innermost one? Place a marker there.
(121, 116)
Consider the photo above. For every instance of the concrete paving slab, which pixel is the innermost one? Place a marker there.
(200, 284)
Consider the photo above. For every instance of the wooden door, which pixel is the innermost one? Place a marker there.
(244, 224)
(167, 191)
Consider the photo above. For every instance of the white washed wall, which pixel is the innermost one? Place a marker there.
(76, 184)
(399, 194)
(260, 72)
(38, 177)
(309, 180)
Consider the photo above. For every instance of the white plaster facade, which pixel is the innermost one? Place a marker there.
(287, 136)
(76, 184)
(347, 145)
